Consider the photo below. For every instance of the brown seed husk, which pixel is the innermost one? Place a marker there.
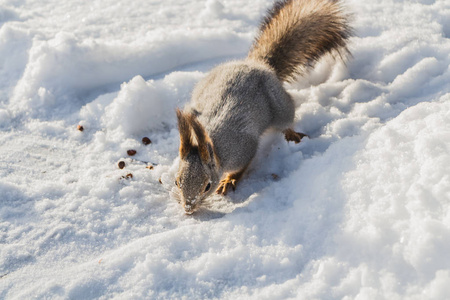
(146, 141)
(131, 152)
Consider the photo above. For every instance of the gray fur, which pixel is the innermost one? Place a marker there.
(237, 101)
(247, 97)
(192, 177)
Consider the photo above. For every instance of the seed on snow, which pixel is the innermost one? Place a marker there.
(146, 141)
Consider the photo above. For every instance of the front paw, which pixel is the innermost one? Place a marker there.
(225, 186)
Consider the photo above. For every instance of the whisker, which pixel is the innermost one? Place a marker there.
(175, 194)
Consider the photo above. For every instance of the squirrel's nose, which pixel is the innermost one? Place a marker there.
(188, 209)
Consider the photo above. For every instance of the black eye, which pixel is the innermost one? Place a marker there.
(176, 183)
(208, 187)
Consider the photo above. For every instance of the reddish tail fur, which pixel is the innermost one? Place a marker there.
(296, 33)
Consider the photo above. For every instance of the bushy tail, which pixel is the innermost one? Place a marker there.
(296, 33)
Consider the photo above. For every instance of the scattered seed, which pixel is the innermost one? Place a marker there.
(131, 152)
(128, 176)
(160, 181)
(80, 128)
(275, 176)
(149, 167)
(146, 141)
(121, 164)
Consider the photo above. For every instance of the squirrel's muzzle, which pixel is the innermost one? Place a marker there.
(188, 209)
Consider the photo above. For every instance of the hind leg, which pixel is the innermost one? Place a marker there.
(283, 112)
(291, 135)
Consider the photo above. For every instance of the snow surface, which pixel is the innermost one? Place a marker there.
(359, 211)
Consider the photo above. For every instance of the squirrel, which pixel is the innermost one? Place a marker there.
(238, 101)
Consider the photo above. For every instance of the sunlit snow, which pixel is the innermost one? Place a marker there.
(361, 210)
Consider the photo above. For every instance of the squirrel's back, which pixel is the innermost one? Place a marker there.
(296, 33)
(236, 103)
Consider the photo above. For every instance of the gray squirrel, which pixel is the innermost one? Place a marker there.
(237, 101)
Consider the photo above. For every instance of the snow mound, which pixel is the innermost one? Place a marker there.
(142, 106)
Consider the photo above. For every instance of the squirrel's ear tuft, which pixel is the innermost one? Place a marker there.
(185, 133)
(202, 139)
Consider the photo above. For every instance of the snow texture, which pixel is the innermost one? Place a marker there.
(361, 210)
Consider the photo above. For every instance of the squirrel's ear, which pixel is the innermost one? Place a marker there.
(185, 133)
(202, 139)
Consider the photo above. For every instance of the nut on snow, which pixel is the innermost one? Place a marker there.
(121, 164)
(146, 141)
(131, 152)
(80, 128)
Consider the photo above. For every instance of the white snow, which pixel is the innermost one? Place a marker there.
(359, 211)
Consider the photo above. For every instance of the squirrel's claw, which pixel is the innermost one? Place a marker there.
(225, 186)
(291, 135)
(230, 181)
